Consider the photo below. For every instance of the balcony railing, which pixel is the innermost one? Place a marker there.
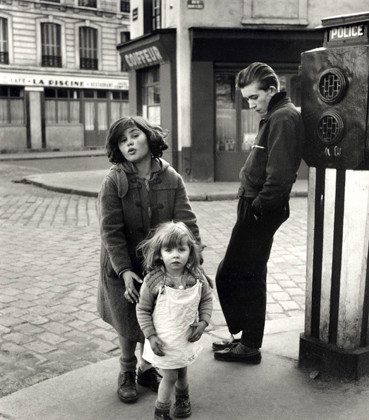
(51, 61)
(88, 63)
(87, 3)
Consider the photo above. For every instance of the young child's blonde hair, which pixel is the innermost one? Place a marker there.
(169, 235)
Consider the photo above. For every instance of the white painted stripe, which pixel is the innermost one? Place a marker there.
(328, 230)
(310, 249)
(354, 259)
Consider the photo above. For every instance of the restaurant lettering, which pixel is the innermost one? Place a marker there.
(145, 57)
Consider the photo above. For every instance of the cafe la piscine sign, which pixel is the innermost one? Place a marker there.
(56, 81)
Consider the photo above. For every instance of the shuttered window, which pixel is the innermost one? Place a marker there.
(51, 45)
(4, 44)
(88, 48)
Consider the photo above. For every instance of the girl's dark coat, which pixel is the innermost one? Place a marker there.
(129, 208)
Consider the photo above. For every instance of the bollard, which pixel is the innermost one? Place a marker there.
(334, 86)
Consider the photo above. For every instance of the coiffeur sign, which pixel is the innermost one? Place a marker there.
(144, 57)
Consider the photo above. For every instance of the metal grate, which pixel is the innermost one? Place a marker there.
(330, 128)
(332, 86)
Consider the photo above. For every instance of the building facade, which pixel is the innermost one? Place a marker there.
(61, 78)
(183, 57)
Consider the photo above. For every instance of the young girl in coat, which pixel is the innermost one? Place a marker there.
(174, 309)
(139, 192)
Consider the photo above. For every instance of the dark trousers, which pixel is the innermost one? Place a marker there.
(241, 275)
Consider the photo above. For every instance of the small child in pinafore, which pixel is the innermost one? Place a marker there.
(173, 311)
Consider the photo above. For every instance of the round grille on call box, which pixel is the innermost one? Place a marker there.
(332, 86)
(330, 128)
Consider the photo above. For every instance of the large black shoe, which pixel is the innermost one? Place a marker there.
(127, 391)
(239, 354)
(224, 344)
(150, 378)
(182, 406)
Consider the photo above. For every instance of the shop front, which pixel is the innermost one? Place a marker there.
(58, 112)
(223, 126)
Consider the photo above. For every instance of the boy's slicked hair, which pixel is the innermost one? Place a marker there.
(169, 235)
(154, 133)
(260, 73)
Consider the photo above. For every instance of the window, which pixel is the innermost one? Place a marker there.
(4, 47)
(62, 106)
(151, 95)
(51, 45)
(87, 3)
(124, 6)
(88, 48)
(124, 37)
(119, 104)
(156, 14)
(11, 105)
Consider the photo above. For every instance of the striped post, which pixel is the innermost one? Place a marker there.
(336, 337)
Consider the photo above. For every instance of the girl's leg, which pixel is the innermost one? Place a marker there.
(127, 391)
(162, 404)
(182, 406)
(182, 381)
(147, 375)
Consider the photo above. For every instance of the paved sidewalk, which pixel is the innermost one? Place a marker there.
(273, 390)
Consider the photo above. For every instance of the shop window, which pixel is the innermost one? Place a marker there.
(151, 94)
(11, 105)
(226, 126)
(62, 106)
(51, 45)
(88, 48)
(119, 104)
(124, 6)
(156, 14)
(4, 42)
(87, 3)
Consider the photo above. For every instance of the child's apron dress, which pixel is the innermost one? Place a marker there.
(175, 311)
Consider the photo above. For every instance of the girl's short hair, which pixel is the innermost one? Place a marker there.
(258, 72)
(154, 133)
(169, 235)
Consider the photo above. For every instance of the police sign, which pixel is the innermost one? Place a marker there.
(346, 30)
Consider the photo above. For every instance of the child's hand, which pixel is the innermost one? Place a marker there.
(157, 345)
(197, 331)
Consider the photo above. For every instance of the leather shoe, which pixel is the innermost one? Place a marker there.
(224, 344)
(149, 378)
(127, 391)
(239, 354)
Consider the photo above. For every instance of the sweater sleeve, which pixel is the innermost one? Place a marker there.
(111, 219)
(206, 302)
(144, 311)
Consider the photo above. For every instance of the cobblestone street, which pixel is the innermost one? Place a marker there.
(49, 265)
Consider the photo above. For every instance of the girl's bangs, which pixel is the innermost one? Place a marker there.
(175, 239)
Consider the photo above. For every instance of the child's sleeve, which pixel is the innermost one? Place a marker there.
(144, 311)
(206, 302)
